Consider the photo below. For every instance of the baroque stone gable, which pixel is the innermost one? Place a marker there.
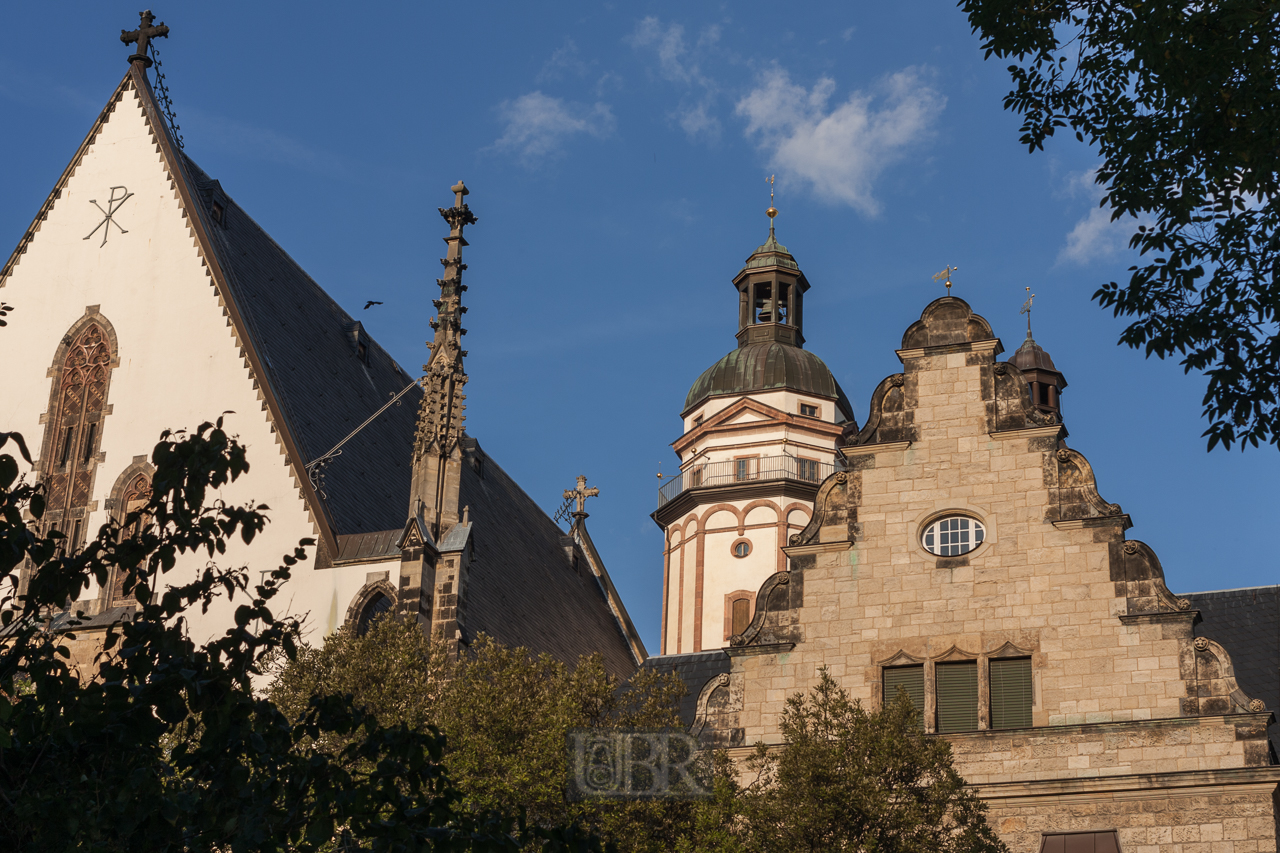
(1124, 717)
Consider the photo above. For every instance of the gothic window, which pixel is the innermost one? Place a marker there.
(376, 607)
(73, 431)
(137, 492)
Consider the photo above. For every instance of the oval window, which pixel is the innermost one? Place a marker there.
(741, 548)
(953, 535)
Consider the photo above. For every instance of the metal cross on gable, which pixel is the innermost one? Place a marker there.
(581, 494)
(146, 31)
(113, 205)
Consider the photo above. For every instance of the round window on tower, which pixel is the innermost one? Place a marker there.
(953, 535)
(741, 548)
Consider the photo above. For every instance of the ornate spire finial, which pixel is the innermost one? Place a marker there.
(1026, 309)
(580, 495)
(772, 211)
(946, 274)
(440, 421)
(142, 35)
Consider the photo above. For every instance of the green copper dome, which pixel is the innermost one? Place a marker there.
(769, 366)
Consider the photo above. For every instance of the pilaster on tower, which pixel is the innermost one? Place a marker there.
(441, 420)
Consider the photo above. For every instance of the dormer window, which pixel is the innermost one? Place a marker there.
(359, 342)
(215, 211)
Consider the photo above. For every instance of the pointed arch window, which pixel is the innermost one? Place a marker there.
(375, 609)
(73, 431)
(136, 493)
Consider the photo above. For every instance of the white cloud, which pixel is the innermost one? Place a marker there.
(1095, 237)
(564, 60)
(679, 64)
(848, 34)
(538, 125)
(840, 151)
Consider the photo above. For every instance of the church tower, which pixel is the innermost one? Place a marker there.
(761, 428)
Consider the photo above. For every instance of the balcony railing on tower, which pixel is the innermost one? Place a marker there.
(755, 469)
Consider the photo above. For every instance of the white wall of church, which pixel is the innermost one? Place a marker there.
(179, 363)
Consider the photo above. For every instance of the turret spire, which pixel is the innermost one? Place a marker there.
(441, 418)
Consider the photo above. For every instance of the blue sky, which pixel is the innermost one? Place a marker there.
(617, 155)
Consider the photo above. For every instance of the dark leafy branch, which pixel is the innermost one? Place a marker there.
(160, 742)
(1182, 101)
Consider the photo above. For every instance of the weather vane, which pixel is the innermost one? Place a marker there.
(946, 274)
(1026, 309)
(772, 211)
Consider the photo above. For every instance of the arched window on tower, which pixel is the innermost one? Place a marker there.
(73, 430)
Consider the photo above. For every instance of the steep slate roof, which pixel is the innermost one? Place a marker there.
(522, 587)
(1246, 622)
(695, 670)
(307, 348)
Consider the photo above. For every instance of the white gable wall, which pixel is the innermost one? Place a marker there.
(179, 361)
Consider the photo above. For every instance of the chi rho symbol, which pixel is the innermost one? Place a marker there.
(119, 195)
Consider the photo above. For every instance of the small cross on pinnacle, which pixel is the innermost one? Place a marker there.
(581, 494)
(145, 32)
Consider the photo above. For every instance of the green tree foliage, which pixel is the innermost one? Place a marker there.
(1182, 100)
(848, 779)
(505, 713)
(165, 746)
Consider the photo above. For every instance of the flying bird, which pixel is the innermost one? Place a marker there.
(370, 304)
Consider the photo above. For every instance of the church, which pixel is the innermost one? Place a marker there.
(146, 299)
(951, 545)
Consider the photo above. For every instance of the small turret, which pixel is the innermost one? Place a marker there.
(1046, 381)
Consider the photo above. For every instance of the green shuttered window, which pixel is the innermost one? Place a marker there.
(957, 696)
(1011, 693)
(908, 678)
